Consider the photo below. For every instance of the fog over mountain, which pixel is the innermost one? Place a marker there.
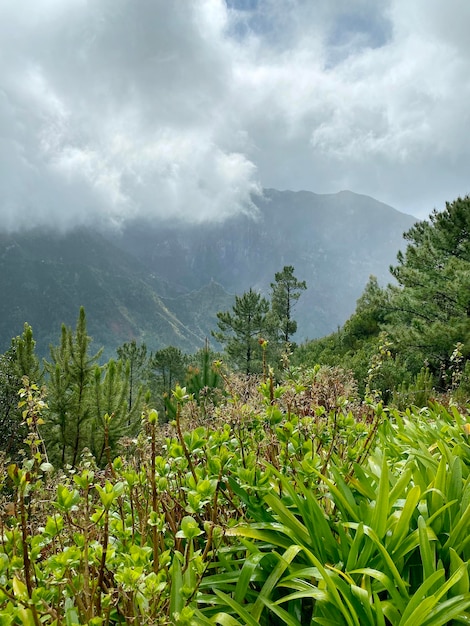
(114, 109)
(162, 282)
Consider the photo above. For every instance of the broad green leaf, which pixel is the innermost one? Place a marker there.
(273, 579)
(398, 599)
(427, 553)
(298, 531)
(387, 559)
(462, 586)
(421, 603)
(176, 597)
(246, 575)
(402, 526)
(449, 610)
(381, 508)
(237, 608)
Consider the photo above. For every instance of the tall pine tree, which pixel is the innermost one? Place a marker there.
(430, 310)
(71, 375)
(285, 292)
(241, 329)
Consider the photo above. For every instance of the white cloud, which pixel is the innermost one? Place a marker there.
(118, 108)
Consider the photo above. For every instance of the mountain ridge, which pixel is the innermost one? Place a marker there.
(163, 283)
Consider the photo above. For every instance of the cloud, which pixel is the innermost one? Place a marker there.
(183, 110)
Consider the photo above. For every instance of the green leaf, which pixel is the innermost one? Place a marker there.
(381, 509)
(449, 610)
(462, 586)
(246, 575)
(427, 556)
(189, 528)
(273, 579)
(420, 603)
(237, 608)
(19, 589)
(176, 597)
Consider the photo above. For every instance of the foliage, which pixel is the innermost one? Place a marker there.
(110, 416)
(241, 330)
(135, 358)
(20, 360)
(430, 311)
(166, 368)
(203, 379)
(425, 314)
(71, 375)
(292, 503)
(285, 292)
(27, 362)
(12, 429)
(304, 500)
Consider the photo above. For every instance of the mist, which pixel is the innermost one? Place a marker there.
(116, 110)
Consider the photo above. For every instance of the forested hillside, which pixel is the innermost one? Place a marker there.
(415, 333)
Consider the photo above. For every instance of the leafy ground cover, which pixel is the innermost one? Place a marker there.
(296, 504)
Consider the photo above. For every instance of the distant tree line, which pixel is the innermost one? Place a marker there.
(93, 405)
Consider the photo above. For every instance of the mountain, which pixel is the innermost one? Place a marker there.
(163, 282)
(45, 277)
(334, 241)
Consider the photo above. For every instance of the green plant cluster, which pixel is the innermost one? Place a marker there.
(415, 332)
(286, 504)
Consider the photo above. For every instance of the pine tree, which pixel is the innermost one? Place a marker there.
(202, 379)
(71, 375)
(20, 360)
(27, 361)
(136, 358)
(285, 292)
(12, 429)
(430, 310)
(110, 416)
(167, 367)
(241, 330)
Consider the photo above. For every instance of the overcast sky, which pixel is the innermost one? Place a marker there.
(117, 108)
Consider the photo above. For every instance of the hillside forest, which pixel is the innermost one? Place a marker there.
(268, 483)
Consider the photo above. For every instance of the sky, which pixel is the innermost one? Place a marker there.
(183, 109)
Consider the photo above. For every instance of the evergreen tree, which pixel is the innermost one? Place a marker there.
(27, 362)
(367, 320)
(241, 329)
(202, 379)
(285, 292)
(71, 376)
(111, 418)
(20, 360)
(430, 310)
(12, 429)
(167, 367)
(136, 358)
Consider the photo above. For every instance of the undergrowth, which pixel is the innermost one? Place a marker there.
(293, 503)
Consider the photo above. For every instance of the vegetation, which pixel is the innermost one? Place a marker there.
(423, 320)
(290, 505)
(241, 330)
(333, 490)
(254, 321)
(285, 291)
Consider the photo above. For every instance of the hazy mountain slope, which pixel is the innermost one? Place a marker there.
(46, 277)
(334, 241)
(163, 283)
